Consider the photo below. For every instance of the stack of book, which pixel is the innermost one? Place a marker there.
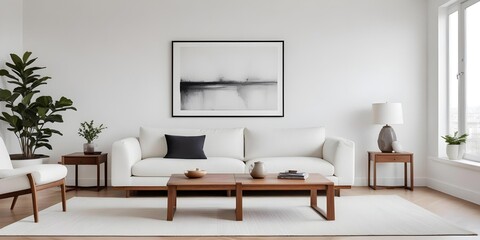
(292, 174)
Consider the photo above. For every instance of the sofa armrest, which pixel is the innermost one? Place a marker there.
(341, 153)
(125, 153)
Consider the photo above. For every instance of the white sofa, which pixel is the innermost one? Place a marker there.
(138, 163)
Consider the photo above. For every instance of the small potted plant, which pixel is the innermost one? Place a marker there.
(88, 131)
(455, 147)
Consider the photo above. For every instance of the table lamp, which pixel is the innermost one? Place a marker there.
(387, 113)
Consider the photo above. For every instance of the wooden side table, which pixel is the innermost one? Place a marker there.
(79, 158)
(379, 157)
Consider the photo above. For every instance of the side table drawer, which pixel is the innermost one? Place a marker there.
(79, 161)
(383, 158)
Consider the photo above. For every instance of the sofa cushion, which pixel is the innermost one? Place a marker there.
(300, 142)
(302, 164)
(157, 167)
(188, 147)
(218, 142)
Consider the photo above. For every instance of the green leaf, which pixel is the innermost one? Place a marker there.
(30, 61)
(54, 118)
(63, 102)
(3, 72)
(13, 67)
(44, 101)
(65, 108)
(46, 145)
(26, 99)
(12, 77)
(56, 132)
(8, 118)
(42, 111)
(26, 55)
(5, 94)
(17, 60)
(32, 69)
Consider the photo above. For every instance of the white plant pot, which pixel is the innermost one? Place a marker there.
(453, 151)
(28, 162)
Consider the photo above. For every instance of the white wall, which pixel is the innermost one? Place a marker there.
(11, 41)
(459, 180)
(113, 58)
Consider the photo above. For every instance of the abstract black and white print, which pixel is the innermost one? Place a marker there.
(228, 78)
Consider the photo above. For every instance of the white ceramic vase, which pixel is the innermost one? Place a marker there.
(258, 170)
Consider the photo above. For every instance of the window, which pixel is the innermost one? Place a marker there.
(463, 59)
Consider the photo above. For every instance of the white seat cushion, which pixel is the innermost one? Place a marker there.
(12, 180)
(42, 173)
(158, 167)
(302, 164)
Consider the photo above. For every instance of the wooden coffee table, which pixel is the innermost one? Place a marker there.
(240, 182)
(313, 183)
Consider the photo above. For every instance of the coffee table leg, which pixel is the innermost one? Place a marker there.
(313, 197)
(330, 202)
(239, 204)
(172, 198)
(330, 213)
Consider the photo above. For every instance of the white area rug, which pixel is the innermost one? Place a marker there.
(215, 216)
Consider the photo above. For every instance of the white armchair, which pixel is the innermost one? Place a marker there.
(19, 181)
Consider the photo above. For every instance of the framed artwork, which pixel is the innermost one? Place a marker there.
(227, 79)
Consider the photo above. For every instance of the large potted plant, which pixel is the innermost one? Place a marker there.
(29, 116)
(455, 145)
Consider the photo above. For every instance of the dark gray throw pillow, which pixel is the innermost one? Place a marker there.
(187, 147)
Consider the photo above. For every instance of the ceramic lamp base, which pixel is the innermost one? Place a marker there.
(385, 139)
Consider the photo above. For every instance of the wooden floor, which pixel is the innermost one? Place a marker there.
(457, 211)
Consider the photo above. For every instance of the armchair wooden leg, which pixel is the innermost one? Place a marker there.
(64, 198)
(13, 202)
(34, 196)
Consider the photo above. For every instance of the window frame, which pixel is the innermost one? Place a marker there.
(460, 7)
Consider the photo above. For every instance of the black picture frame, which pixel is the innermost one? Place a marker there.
(228, 78)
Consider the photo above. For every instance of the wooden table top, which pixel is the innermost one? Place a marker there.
(271, 179)
(81, 154)
(246, 179)
(209, 179)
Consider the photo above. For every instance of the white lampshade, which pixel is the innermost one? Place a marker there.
(387, 113)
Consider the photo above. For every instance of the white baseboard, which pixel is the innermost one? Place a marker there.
(418, 181)
(456, 191)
